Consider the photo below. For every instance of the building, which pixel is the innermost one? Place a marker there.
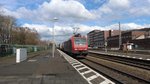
(137, 37)
(143, 41)
(98, 38)
(91, 38)
(113, 33)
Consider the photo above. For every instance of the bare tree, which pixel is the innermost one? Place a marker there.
(12, 34)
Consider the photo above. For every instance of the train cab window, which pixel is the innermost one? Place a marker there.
(80, 41)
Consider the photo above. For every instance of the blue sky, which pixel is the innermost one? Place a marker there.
(85, 14)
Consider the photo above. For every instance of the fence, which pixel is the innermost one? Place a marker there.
(6, 49)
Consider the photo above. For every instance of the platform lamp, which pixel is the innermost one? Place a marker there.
(54, 20)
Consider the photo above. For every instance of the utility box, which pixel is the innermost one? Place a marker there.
(21, 55)
(130, 46)
(35, 48)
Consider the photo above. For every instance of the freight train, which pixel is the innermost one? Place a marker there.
(76, 46)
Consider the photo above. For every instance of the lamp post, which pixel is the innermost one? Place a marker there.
(55, 19)
(120, 38)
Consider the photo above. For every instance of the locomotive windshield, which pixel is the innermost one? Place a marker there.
(80, 41)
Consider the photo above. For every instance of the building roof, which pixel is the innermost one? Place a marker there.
(94, 31)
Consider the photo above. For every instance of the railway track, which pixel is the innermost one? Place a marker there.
(117, 71)
(143, 64)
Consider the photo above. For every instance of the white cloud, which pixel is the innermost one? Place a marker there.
(69, 8)
(114, 5)
(119, 3)
(142, 11)
(85, 28)
(63, 9)
(9, 13)
(117, 10)
(43, 30)
(124, 26)
(46, 32)
(63, 33)
(74, 11)
(112, 10)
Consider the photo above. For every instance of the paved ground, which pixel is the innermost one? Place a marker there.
(40, 70)
(130, 55)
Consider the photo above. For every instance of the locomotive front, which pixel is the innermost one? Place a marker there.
(79, 46)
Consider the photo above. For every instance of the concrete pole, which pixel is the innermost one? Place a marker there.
(53, 48)
(120, 40)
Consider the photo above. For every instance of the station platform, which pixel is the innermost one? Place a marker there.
(41, 70)
(124, 54)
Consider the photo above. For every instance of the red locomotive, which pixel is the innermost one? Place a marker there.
(77, 46)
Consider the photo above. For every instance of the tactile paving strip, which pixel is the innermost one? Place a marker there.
(87, 73)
